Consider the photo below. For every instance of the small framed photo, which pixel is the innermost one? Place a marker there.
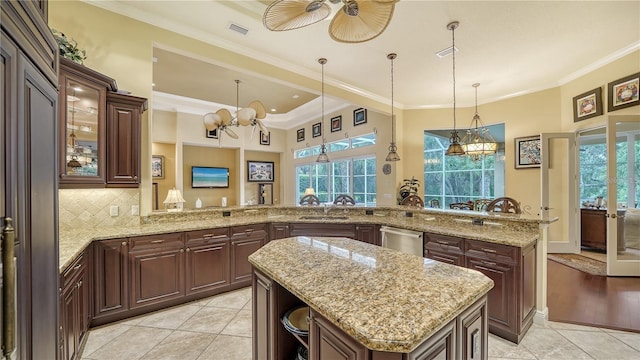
(336, 123)
(300, 135)
(265, 138)
(260, 171)
(316, 130)
(359, 116)
(157, 167)
(587, 105)
(624, 92)
(527, 154)
(212, 134)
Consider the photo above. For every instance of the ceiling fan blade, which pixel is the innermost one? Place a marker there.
(225, 116)
(360, 21)
(211, 121)
(245, 116)
(285, 15)
(231, 133)
(256, 105)
(261, 126)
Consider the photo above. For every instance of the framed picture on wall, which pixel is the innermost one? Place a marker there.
(359, 116)
(265, 138)
(336, 123)
(527, 154)
(260, 171)
(157, 167)
(316, 130)
(587, 105)
(300, 135)
(624, 92)
(212, 134)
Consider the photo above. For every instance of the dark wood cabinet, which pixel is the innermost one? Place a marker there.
(110, 277)
(156, 264)
(369, 233)
(265, 318)
(207, 263)
(244, 241)
(326, 341)
(593, 228)
(74, 312)
(28, 178)
(124, 114)
(321, 229)
(278, 231)
(447, 249)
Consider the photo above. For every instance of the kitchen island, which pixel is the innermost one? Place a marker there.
(366, 302)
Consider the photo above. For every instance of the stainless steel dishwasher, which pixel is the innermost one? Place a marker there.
(406, 241)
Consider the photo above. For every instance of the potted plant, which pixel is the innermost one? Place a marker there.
(69, 48)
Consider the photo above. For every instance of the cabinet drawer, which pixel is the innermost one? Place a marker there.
(206, 236)
(156, 241)
(249, 231)
(444, 243)
(491, 251)
(74, 270)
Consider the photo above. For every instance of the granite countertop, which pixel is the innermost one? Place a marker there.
(74, 241)
(385, 299)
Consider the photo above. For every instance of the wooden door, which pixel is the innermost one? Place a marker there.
(368, 233)
(326, 341)
(278, 231)
(111, 277)
(240, 251)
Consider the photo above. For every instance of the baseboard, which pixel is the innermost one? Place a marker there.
(541, 317)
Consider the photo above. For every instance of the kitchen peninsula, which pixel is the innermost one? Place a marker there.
(366, 302)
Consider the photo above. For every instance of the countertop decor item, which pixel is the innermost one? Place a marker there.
(174, 200)
(478, 141)
(454, 148)
(69, 48)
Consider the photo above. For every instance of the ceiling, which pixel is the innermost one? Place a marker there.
(509, 47)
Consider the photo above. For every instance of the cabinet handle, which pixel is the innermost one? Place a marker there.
(188, 249)
(181, 250)
(77, 267)
(489, 263)
(79, 283)
(124, 243)
(442, 242)
(157, 241)
(489, 250)
(9, 285)
(135, 177)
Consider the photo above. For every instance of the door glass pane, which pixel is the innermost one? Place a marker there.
(627, 175)
(82, 130)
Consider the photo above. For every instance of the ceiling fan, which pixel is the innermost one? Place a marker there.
(357, 21)
(222, 119)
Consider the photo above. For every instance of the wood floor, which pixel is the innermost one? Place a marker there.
(580, 298)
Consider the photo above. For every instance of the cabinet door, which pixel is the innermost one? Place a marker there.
(111, 277)
(240, 266)
(83, 313)
(68, 323)
(207, 265)
(368, 233)
(447, 249)
(265, 318)
(123, 139)
(502, 298)
(326, 341)
(278, 231)
(157, 272)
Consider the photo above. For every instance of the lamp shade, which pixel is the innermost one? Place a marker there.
(174, 198)
(309, 191)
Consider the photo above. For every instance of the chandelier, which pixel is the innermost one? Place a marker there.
(222, 119)
(478, 141)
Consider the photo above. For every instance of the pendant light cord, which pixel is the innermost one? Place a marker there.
(237, 96)
(322, 61)
(393, 119)
(453, 50)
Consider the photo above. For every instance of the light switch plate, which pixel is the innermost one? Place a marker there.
(113, 210)
(135, 210)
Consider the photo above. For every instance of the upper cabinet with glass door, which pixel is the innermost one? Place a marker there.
(82, 125)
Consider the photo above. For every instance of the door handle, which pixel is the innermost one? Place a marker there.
(9, 287)
(546, 208)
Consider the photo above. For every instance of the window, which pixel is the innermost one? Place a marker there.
(340, 145)
(351, 176)
(455, 179)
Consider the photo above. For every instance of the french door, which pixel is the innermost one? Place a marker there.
(558, 191)
(623, 195)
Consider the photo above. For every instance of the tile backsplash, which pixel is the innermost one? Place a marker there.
(86, 208)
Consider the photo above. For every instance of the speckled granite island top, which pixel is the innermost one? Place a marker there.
(386, 300)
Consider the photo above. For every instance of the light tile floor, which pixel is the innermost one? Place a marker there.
(220, 328)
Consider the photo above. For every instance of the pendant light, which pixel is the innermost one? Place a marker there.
(393, 149)
(323, 157)
(454, 141)
(478, 142)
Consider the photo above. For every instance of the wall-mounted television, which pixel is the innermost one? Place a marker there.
(209, 177)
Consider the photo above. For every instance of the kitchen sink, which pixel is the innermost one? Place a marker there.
(323, 217)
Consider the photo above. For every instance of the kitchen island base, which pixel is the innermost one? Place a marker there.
(464, 337)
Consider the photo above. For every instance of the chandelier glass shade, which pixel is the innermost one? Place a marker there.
(322, 157)
(478, 141)
(393, 149)
(455, 148)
